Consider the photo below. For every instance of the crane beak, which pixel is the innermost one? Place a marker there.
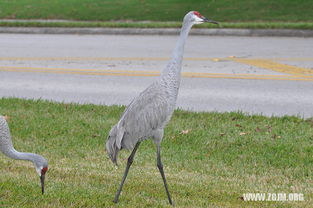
(209, 21)
(42, 180)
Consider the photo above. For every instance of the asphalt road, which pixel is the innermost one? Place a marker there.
(257, 75)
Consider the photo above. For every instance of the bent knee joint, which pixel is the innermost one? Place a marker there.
(130, 160)
(160, 165)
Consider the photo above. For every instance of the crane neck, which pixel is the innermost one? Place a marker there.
(21, 155)
(6, 145)
(173, 68)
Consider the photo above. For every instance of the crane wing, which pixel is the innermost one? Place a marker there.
(147, 112)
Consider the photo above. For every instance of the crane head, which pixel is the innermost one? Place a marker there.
(42, 179)
(41, 165)
(197, 18)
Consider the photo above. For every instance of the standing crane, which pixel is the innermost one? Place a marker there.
(147, 115)
(6, 146)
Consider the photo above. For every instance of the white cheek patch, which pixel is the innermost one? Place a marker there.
(198, 20)
(39, 170)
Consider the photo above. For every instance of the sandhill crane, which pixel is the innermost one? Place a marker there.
(6, 146)
(147, 115)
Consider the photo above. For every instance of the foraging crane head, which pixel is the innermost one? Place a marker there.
(196, 18)
(41, 165)
(6, 147)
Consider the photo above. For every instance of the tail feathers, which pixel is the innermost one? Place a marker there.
(112, 149)
(113, 144)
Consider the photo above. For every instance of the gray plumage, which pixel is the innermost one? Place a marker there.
(6, 147)
(147, 115)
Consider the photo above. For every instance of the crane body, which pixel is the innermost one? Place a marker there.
(148, 114)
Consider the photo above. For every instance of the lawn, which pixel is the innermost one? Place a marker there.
(287, 14)
(158, 10)
(210, 159)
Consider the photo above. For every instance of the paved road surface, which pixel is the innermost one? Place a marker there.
(269, 76)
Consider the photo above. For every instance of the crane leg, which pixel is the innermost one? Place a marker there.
(160, 166)
(129, 162)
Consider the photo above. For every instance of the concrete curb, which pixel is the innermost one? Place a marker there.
(158, 31)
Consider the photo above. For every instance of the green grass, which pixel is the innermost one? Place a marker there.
(220, 157)
(158, 10)
(233, 14)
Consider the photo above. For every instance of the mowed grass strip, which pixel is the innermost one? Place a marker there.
(277, 14)
(158, 10)
(210, 159)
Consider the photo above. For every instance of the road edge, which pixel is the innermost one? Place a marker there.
(159, 31)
